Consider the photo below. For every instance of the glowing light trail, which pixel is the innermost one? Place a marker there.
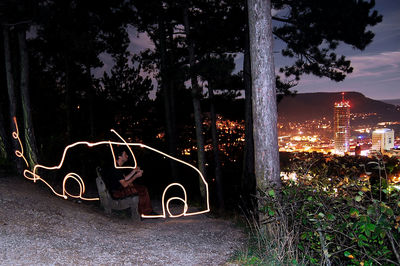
(130, 150)
(32, 175)
(15, 135)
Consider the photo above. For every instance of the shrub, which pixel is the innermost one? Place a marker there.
(334, 211)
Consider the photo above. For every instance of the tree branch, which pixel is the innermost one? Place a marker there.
(282, 20)
(390, 236)
(17, 23)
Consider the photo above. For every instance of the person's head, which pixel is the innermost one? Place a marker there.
(121, 155)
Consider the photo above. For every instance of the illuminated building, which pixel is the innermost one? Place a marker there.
(341, 126)
(382, 139)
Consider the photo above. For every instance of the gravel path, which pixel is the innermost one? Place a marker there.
(37, 227)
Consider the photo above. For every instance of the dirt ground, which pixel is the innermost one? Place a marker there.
(37, 227)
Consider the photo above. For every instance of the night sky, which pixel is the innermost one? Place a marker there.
(376, 71)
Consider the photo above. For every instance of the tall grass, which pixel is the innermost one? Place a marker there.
(270, 243)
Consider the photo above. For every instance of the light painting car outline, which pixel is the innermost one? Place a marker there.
(33, 175)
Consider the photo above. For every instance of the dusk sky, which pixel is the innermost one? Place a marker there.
(376, 71)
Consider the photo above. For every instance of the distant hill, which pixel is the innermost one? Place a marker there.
(392, 101)
(308, 106)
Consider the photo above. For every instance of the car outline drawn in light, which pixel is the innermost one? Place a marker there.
(32, 175)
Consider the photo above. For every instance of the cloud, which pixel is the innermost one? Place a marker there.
(382, 67)
(391, 79)
(379, 65)
(139, 41)
(274, 12)
(108, 63)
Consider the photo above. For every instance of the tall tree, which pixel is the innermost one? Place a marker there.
(126, 89)
(158, 18)
(14, 16)
(265, 113)
(306, 32)
(217, 70)
(306, 29)
(4, 137)
(217, 34)
(310, 37)
(29, 132)
(71, 36)
(12, 98)
(196, 94)
(248, 180)
(167, 91)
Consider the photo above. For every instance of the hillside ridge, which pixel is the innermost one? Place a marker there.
(307, 106)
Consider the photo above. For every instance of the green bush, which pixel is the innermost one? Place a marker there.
(335, 211)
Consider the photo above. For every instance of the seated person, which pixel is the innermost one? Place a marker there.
(122, 185)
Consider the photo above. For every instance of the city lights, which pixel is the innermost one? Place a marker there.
(337, 135)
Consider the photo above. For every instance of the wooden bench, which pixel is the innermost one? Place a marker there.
(109, 203)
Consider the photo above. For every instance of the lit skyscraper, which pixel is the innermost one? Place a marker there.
(382, 139)
(341, 126)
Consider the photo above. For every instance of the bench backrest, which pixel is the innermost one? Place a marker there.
(101, 186)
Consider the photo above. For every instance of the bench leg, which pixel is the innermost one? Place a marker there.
(135, 215)
(107, 209)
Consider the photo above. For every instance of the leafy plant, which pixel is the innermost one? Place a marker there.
(336, 211)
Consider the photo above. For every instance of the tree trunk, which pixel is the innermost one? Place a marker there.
(12, 100)
(196, 103)
(218, 172)
(68, 114)
(168, 98)
(264, 95)
(171, 94)
(4, 140)
(172, 98)
(29, 133)
(248, 183)
(91, 95)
